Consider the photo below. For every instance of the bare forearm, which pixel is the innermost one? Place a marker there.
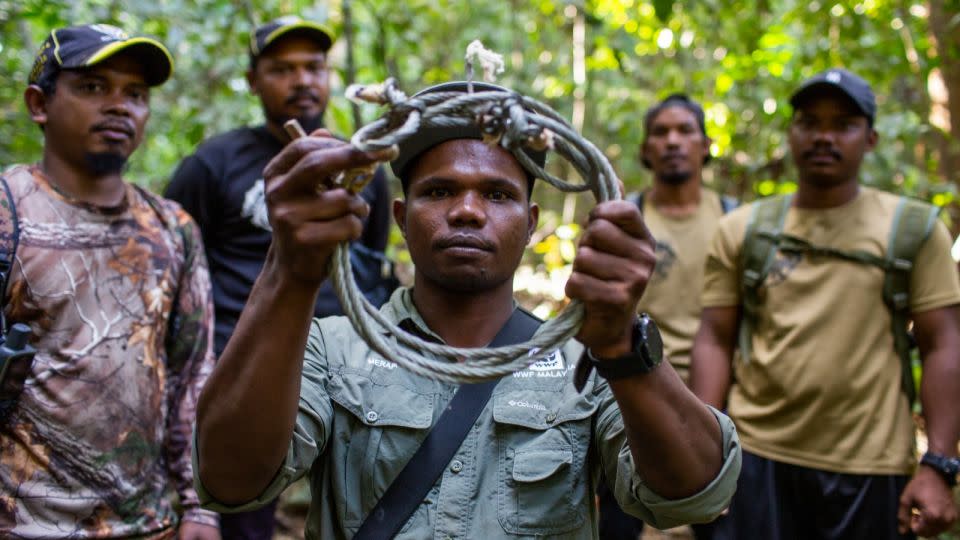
(938, 394)
(247, 411)
(710, 373)
(675, 440)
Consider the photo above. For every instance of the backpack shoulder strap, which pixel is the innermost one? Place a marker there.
(728, 203)
(913, 221)
(9, 240)
(759, 249)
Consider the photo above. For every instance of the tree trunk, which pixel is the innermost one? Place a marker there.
(944, 89)
(944, 17)
(351, 73)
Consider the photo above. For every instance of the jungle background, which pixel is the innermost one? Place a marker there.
(600, 63)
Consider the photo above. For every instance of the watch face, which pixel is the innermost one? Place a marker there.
(652, 341)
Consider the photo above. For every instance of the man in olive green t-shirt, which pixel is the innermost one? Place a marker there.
(682, 216)
(827, 431)
(291, 397)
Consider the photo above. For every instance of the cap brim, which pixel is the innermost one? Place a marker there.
(818, 87)
(425, 139)
(317, 31)
(156, 58)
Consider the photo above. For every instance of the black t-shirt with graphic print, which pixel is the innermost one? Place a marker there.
(221, 186)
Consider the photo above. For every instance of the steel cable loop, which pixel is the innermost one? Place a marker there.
(514, 122)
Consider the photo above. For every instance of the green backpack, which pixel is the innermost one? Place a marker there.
(912, 223)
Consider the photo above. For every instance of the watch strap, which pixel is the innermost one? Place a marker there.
(621, 367)
(636, 362)
(947, 467)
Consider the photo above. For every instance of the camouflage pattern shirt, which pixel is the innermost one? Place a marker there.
(118, 299)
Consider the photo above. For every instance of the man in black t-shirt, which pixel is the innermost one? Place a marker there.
(221, 186)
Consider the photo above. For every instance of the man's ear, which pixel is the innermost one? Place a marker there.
(36, 102)
(642, 154)
(400, 215)
(872, 138)
(252, 82)
(707, 141)
(533, 218)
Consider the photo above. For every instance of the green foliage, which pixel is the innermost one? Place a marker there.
(740, 58)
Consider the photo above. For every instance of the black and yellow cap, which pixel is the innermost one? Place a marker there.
(78, 47)
(267, 34)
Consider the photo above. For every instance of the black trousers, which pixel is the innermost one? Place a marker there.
(777, 501)
(615, 524)
(254, 525)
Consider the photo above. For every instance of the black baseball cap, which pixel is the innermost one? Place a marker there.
(846, 82)
(427, 138)
(79, 47)
(266, 35)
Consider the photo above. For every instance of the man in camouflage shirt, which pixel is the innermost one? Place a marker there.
(113, 283)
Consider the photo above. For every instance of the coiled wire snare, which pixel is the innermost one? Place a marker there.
(513, 121)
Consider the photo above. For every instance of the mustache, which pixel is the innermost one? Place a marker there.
(115, 125)
(833, 153)
(301, 94)
(463, 240)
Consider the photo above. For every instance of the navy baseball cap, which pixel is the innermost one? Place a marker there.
(427, 138)
(846, 82)
(79, 47)
(266, 35)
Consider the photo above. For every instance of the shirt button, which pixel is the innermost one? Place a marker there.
(456, 466)
(551, 418)
(372, 416)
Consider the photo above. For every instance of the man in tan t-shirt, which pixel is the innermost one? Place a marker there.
(826, 428)
(682, 216)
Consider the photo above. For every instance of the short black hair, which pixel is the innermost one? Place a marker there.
(255, 58)
(674, 100)
(48, 81)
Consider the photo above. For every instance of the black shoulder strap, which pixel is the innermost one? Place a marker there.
(9, 240)
(413, 483)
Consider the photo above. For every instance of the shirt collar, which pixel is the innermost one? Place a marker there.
(404, 313)
(400, 308)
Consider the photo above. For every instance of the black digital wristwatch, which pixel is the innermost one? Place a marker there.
(947, 467)
(645, 355)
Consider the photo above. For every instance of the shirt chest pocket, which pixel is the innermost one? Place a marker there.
(377, 428)
(542, 445)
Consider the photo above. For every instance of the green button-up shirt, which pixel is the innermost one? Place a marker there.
(529, 466)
